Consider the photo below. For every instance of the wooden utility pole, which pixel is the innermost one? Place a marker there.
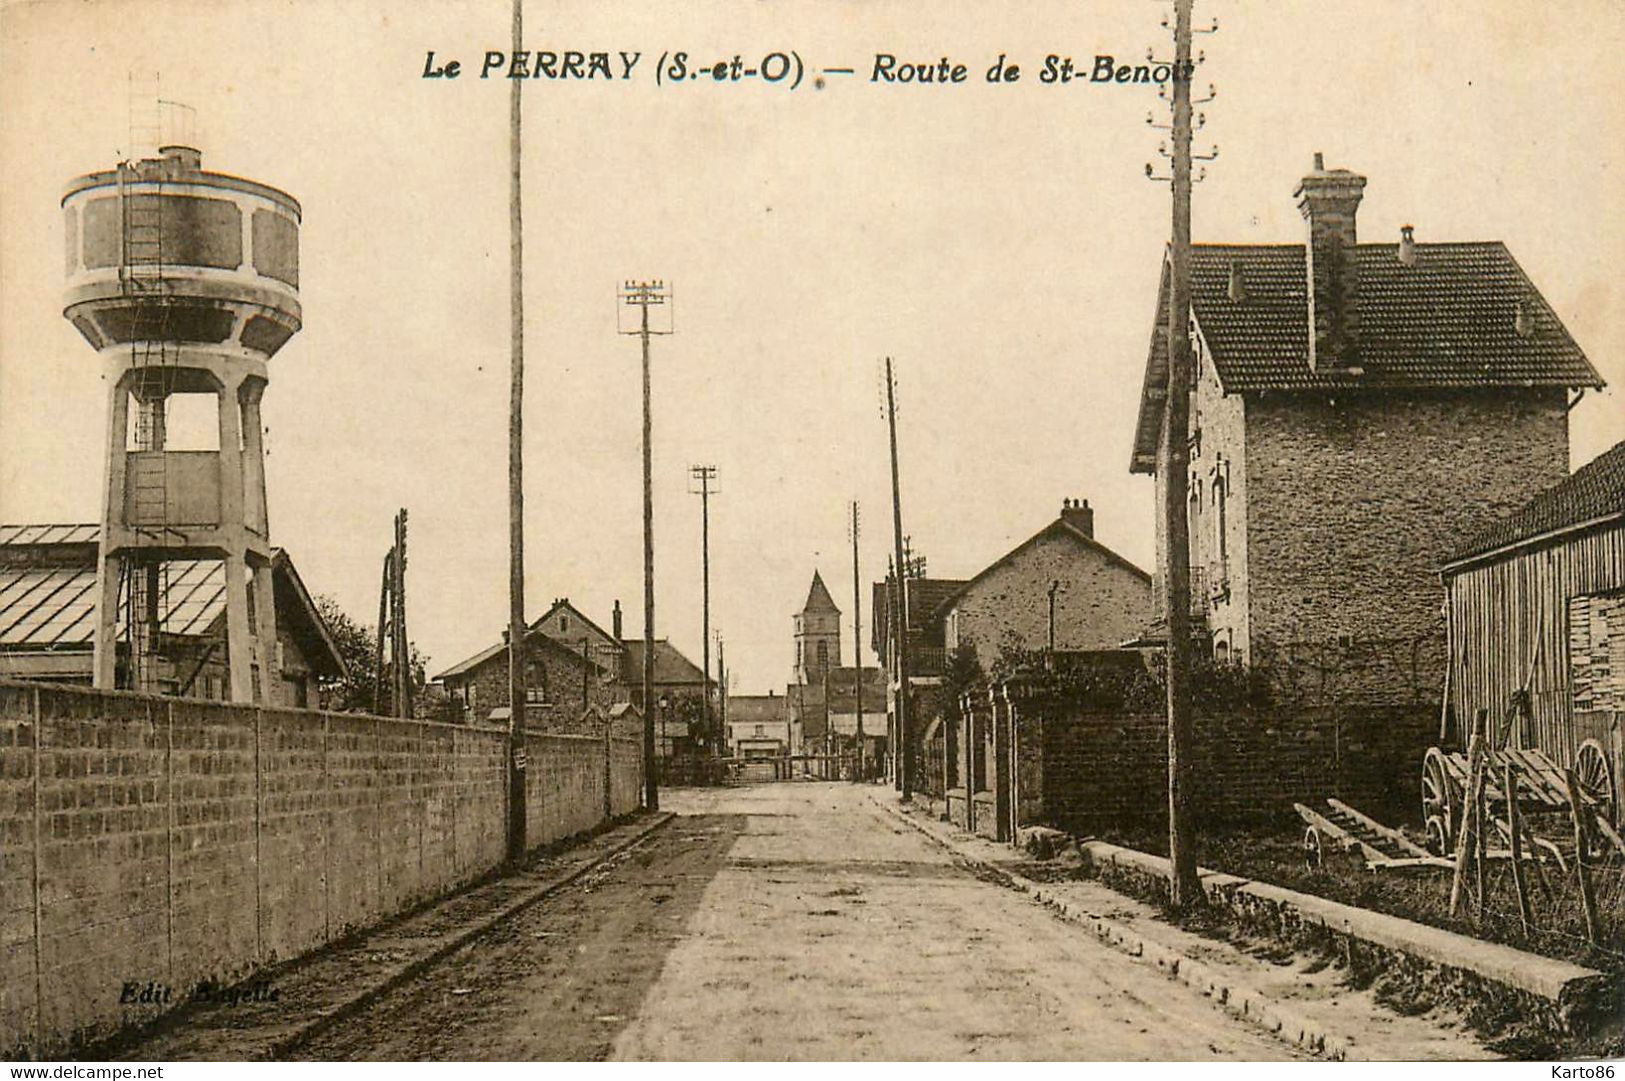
(401, 644)
(643, 296)
(516, 465)
(1184, 889)
(857, 642)
(905, 761)
(705, 474)
(378, 689)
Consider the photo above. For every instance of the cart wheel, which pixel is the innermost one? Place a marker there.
(1595, 778)
(1438, 837)
(1313, 852)
(1437, 796)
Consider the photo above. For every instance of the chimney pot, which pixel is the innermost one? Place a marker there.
(1238, 288)
(1523, 320)
(1077, 514)
(1407, 245)
(1320, 162)
(615, 621)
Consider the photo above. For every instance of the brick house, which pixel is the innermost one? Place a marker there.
(563, 690)
(576, 666)
(1357, 411)
(48, 619)
(1060, 590)
(1536, 603)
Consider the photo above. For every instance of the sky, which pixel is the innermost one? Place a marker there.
(1000, 242)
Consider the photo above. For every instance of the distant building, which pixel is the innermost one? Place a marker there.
(576, 666)
(1059, 590)
(48, 619)
(1357, 410)
(823, 699)
(926, 639)
(562, 689)
(817, 634)
(1536, 603)
(758, 725)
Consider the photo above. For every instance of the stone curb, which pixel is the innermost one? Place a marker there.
(1235, 997)
(1560, 986)
(281, 1047)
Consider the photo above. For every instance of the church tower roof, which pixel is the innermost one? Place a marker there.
(818, 598)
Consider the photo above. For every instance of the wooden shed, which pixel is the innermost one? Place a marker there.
(1536, 603)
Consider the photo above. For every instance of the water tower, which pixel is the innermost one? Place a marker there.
(186, 282)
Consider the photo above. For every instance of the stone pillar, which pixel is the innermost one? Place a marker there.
(1001, 765)
(256, 514)
(239, 642)
(265, 632)
(105, 657)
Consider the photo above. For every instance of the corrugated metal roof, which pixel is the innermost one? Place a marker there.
(1448, 321)
(49, 534)
(1595, 491)
(56, 606)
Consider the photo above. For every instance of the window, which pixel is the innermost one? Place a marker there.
(759, 730)
(823, 654)
(564, 623)
(1220, 544)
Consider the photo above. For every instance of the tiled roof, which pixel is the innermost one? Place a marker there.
(1448, 321)
(500, 649)
(757, 708)
(670, 665)
(1595, 491)
(925, 596)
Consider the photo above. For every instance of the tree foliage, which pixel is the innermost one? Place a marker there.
(357, 644)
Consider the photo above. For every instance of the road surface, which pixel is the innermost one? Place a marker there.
(788, 921)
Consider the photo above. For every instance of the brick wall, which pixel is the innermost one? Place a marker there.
(172, 842)
(1352, 503)
(1097, 769)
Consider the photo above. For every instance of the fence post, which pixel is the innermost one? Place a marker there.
(1466, 847)
(1517, 849)
(609, 768)
(1588, 901)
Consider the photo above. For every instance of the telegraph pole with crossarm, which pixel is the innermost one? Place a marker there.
(706, 475)
(643, 296)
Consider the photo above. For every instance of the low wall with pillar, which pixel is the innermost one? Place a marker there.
(172, 843)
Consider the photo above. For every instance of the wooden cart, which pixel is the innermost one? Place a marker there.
(1541, 789)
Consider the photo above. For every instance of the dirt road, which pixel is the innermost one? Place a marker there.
(789, 921)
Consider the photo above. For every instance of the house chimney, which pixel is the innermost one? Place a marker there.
(1077, 514)
(1407, 245)
(1523, 320)
(1328, 200)
(615, 621)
